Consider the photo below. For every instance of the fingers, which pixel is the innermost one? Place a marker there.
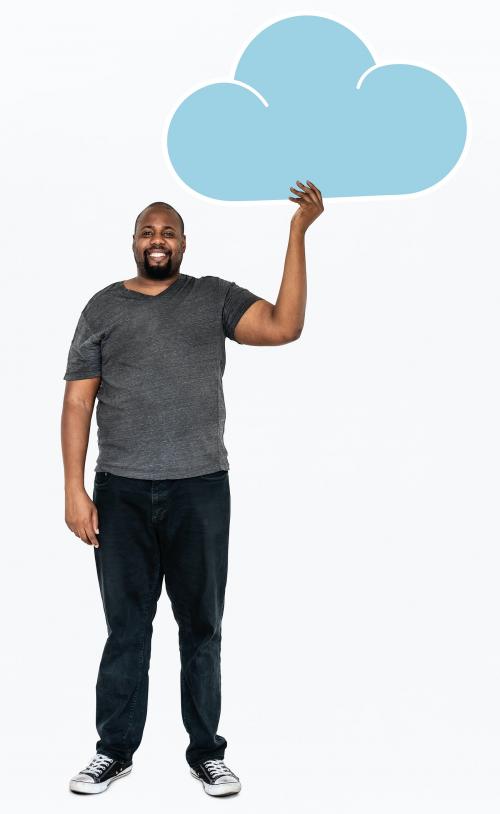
(300, 199)
(87, 535)
(94, 529)
(303, 191)
(311, 194)
(80, 533)
(92, 537)
(313, 190)
(95, 520)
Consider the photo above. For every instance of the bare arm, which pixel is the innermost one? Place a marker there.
(78, 406)
(290, 308)
(264, 323)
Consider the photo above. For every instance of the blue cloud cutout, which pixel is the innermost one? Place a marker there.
(314, 105)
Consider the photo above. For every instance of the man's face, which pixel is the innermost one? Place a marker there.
(158, 245)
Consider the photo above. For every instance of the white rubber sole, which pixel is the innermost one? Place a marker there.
(95, 788)
(220, 789)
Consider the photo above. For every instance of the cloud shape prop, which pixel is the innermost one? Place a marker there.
(308, 102)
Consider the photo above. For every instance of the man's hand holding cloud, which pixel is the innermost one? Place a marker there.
(310, 206)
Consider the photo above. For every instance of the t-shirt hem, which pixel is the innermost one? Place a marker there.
(166, 475)
(90, 374)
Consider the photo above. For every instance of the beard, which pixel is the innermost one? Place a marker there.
(153, 271)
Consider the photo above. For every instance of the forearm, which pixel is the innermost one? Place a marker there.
(289, 310)
(75, 430)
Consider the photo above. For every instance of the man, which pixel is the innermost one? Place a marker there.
(152, 349)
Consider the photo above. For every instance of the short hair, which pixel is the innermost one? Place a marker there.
(159, 203)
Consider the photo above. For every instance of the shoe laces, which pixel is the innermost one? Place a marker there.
(97, 765)
(216, 768)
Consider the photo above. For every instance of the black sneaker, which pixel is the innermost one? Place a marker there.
(100, 772)
(217, 779)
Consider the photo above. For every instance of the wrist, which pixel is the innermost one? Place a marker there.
(296, 231)
(74, 487)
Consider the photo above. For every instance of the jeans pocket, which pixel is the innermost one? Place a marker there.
(101, 478)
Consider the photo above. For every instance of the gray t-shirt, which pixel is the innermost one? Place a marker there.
(161, 358)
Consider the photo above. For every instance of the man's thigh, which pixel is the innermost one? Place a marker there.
(194, 537)
(128, 559)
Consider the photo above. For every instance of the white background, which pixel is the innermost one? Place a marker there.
(360, 660)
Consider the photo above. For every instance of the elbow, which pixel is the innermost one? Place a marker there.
(292, 337)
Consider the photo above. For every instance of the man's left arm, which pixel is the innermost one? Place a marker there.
(264, 323)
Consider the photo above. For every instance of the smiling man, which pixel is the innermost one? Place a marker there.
(152, 350)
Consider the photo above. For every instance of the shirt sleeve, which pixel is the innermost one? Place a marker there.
(84, 357)
(236, 302)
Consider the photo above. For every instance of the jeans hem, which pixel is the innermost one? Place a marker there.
(206, 757)
(115, 755)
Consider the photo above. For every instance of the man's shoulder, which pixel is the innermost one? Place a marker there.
(216, 283)
(210, 286)
(100, 301)
(103, 291)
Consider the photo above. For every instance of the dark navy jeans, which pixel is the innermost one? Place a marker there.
(150, 531)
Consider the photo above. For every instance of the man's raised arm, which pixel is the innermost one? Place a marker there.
(264, 323)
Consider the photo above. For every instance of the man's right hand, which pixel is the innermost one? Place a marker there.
(81, 516)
